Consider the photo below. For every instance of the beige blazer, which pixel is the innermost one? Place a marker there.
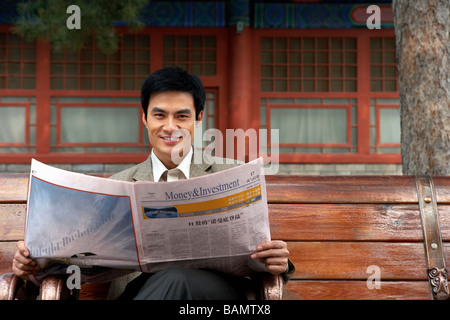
(144, 170)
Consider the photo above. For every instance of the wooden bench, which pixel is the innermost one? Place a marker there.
(342, 233)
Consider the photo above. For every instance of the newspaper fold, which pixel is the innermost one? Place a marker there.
(109, 227)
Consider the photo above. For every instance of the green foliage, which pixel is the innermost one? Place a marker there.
(46, 20)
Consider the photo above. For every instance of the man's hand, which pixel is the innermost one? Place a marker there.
(274, 254)
(23, 266)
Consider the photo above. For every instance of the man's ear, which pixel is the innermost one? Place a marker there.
(199, 119)
(144, 120)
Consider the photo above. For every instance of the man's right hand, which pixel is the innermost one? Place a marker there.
(22, 265)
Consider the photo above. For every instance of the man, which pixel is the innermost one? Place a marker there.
(172, 101)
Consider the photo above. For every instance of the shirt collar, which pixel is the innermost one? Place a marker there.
(159, 168)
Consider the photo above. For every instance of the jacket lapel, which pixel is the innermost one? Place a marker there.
(145, 171)
(200, 169)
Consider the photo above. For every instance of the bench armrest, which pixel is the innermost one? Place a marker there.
(9, 286)
(52, 288)
(271, 287)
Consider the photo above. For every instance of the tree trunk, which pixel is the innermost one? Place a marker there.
(422, 30)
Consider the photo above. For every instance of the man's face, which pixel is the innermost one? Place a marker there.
(171, 124)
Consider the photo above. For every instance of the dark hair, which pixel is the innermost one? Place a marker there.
(173, 79)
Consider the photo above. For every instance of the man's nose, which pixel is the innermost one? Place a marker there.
(170, 124)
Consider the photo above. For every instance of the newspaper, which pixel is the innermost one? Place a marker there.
(109, 227)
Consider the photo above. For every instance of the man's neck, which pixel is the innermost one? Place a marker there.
(167, 161)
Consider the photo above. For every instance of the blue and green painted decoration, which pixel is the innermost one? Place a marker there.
(290, 14)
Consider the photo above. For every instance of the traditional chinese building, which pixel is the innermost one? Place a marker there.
(312, 70)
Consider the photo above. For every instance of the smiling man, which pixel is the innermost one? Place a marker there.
(171, 121)
(173, 101)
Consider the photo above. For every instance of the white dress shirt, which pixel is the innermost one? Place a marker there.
(182, 171)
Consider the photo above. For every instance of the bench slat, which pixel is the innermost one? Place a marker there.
(332, 260)
(442, 185)
(13, 187)
(94, 291)
(305, 222)
(351, 222)
(299, 189)
(350, 260)
(12, 221)
(349, 189)
(356, 290)
(7, 250)
(345, 189)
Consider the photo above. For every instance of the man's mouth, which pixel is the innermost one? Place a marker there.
(171, 139)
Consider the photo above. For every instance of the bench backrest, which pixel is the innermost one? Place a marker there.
(341, 231)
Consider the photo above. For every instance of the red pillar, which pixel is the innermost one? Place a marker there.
(240, 80)
(42, 97)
